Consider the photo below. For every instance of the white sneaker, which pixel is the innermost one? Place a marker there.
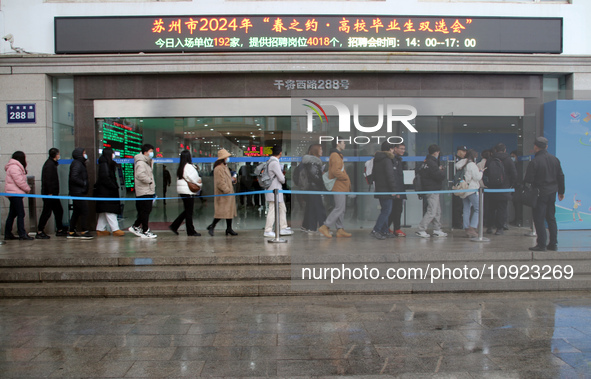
(136, 231)
(285, 232)
(423, 234)
(269, 234)
(148, 234)
(439, 233)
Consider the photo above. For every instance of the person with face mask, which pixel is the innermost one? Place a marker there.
(107, 186)
(16, 182)
(224, 206)
(432, 176)
(145, 188)
(50, 186)
(78, 187)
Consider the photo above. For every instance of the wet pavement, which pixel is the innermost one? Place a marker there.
(492, 335)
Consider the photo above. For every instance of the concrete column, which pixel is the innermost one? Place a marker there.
(34, 138)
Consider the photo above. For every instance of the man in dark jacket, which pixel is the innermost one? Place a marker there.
(398, 200)
(432, 177)
(545, 173)
(78, 187)
(50, 186)
(499, 201)
(385, 181)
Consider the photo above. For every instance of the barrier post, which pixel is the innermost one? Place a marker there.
(277, 238)
(480, 237)
(1, 242)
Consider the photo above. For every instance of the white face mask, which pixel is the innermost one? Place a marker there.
(227, 160)
(151, 154)
(113, 156)
(85, 156)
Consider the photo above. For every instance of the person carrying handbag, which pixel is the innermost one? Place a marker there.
(472, 177)
(187, 185)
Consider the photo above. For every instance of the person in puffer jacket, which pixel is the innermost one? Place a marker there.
(78, 187)
(16, 182)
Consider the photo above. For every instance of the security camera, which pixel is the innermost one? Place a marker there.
(8, 38)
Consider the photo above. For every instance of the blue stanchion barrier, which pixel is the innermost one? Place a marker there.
(290, 192)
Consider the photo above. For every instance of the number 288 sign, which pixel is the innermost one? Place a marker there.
(20, 113)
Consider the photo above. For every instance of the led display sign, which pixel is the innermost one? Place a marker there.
(123, 140)
(384, 33)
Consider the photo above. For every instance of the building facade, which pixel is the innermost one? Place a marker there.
(94, 85)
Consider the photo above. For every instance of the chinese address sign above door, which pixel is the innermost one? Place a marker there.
(172, 34)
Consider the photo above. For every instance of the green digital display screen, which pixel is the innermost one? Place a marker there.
(124, 140)
(383, 33)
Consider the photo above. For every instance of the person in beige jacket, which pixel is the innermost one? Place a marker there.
(224, 206)
(145, 188)
(336, 169)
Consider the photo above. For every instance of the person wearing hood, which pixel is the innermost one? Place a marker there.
(50, 186)
(385, 181)
(78, 187)
(499, 201)
(336, 170)
(107, 186)
(224, 206)
(16, 182)
(314, 213)
(145, 188)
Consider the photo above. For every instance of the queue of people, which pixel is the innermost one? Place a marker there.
(495, 170)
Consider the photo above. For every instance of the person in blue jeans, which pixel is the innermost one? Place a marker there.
(385, 181)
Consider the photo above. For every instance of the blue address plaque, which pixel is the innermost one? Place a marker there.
(20, 113)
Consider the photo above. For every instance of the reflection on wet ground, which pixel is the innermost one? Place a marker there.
(462, 335)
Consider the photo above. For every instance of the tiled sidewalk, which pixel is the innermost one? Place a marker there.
(494, 335)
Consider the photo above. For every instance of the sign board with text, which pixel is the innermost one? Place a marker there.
(20, 114)
(383, 33)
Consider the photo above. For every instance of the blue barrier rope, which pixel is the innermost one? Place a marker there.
(291, 192)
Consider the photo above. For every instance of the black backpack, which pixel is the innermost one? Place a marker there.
(495, 172)
(300, 177)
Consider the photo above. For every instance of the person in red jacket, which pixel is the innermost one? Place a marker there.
(16, 182)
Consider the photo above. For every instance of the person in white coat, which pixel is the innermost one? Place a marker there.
(274, 169)
(186, 173)
(472, 176)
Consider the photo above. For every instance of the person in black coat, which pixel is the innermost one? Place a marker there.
(499, 201)
(432, 176)
(78, 187)
(50, 186)
(315, 213)
(545, 173)
(385, 181)
(106, 186)
(398, 200)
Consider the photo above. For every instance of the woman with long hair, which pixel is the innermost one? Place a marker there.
(107, 186)
(16, 182)
(225, 206)
(185, 174)
(472, 176)
(314, 214)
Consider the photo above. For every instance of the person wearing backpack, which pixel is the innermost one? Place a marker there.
(311, 169)
(385, 181)
(501, 174)
(432, 176)
(277, 179)
(336, 170)
(545, 173)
